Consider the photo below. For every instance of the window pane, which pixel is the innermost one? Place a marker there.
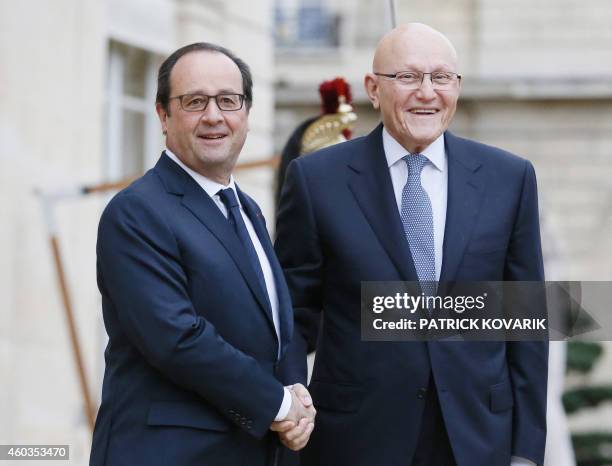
(132, 155)
(134, 72)
(310, 25)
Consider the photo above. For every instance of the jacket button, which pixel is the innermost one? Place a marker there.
(421, 393)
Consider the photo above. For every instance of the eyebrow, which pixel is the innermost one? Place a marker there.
(434, 69)
(221, 91)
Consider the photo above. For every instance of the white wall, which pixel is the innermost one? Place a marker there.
(51, 114)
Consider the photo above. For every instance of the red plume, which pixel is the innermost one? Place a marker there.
(330, 94)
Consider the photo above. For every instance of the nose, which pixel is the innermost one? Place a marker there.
(426, 90)
(212, 114)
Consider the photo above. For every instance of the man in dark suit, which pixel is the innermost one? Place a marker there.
(195, 304)
(413, 202)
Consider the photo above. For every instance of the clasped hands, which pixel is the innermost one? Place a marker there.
(294, 431)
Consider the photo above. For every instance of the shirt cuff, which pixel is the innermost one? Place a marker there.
(518, 461)
(285, 406)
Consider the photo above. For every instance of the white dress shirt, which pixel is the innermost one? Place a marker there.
(212, 188)
(434, 179)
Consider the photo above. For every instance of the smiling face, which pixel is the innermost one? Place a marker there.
(209, 141)
(414, 117)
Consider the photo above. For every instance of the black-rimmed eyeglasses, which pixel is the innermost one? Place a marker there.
(199, 102)
(440, 80)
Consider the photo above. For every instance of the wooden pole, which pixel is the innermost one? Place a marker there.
(74, 340)
(118, 185)
(271, 162)
(103, 187)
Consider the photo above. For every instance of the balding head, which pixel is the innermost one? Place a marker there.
(410, 37)
(414, 116)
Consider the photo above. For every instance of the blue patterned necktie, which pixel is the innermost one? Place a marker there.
(417, 220)
(228, 197)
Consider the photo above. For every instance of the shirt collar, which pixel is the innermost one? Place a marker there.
(394, 151)
(211, 187)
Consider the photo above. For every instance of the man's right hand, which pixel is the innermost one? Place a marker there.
(294, 431)
(301, 404)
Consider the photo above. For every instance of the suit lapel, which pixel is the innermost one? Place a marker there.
(282, 292)
(370, 183)
(465, 194)
(196, 200)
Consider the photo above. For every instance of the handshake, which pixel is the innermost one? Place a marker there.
(294, 431)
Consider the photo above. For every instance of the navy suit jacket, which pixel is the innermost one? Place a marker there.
(338, 225)
(192, 368)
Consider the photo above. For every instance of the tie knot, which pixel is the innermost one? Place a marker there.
(228, 197)
(415, 163)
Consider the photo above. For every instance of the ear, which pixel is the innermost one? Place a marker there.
(163, 116)
(370, 83)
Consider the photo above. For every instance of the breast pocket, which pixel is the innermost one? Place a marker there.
(489, 241)
(485, 253)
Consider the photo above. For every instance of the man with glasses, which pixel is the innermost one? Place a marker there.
(413, 202)
(195, 304)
